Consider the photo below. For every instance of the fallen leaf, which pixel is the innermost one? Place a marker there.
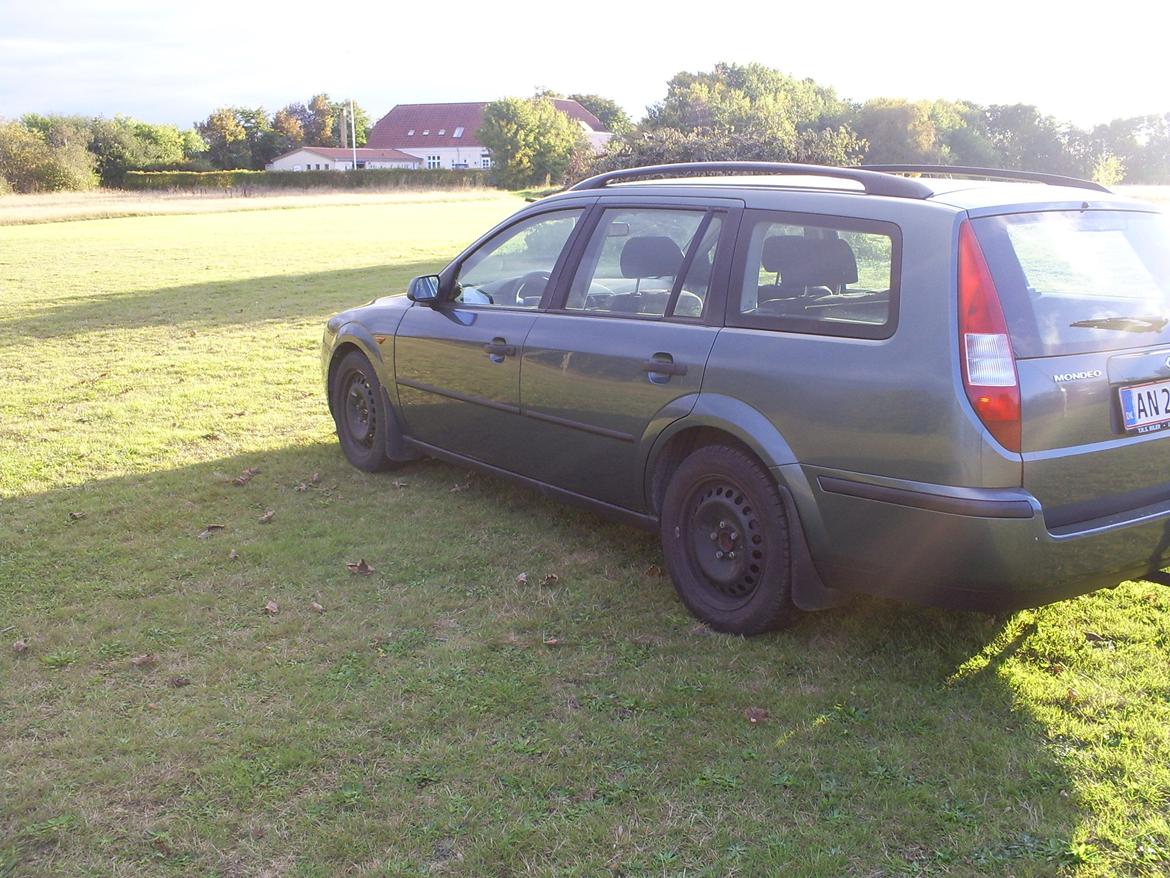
(76, 516)
(268, 516)
(246, 476)
(653, 570)
(460, 488)
(522, 579)
(178, 682)
(272, 608)
(211, 437)
(209, 529)
(314, 478)
(755, 715)
(701, 630)
(302, 487)
(316, 607)
(550, 579)
(147, 660)
(20, 646)
(361, 567)
(551, 641)
(1094, 637)
(400, 483)
(233, 555)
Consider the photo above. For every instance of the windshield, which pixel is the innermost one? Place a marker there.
(1075, 282)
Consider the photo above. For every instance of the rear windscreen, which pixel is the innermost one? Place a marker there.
(1075, 282)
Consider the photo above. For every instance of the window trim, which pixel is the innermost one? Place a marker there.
(733, 317)
(717, 287)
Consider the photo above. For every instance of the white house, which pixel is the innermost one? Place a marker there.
(444, 135)
(332, 158)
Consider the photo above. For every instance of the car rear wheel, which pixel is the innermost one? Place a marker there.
(359, 413)
(725, 539)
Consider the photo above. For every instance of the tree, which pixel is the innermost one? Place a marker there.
(1028, 140)
(227, 146)
(30, 163)
(362, 124)
(898, 132)
(531, 141)
(318, 121)
(287, 130)
(611, 115)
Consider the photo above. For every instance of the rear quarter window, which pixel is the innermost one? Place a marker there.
(817, 274)
(1076, 282)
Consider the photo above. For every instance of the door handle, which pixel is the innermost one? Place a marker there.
(498, 347)
(664, 367)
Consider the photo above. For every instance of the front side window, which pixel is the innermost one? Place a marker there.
(825, 275)
(514, 267)
(647, 262)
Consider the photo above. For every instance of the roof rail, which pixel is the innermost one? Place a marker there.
(874, 183)
(988, 173)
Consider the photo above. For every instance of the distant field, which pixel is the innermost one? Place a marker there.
(441, 716)
(112, 203)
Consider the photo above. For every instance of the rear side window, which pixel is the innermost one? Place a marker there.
(824, 275)
(1076, 282)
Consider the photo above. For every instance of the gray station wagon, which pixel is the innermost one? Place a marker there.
(917, 382)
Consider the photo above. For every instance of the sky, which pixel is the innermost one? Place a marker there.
(175, 61)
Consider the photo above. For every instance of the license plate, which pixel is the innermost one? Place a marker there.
(1145, 407)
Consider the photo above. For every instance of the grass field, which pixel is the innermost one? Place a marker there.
(438, 716)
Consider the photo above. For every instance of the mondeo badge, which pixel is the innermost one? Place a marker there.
(1061, 377)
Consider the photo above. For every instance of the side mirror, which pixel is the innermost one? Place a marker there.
(424, 289)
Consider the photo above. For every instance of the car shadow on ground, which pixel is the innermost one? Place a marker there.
(282, 297)
(890, 738)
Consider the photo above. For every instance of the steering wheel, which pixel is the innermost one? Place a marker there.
(532, 282)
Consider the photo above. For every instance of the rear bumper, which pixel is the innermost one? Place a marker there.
(974, 548)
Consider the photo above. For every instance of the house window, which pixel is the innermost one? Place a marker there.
(485, 163)
(458, 132)
(442, 130)
(434, 161)
(410, 133)
(426, 131)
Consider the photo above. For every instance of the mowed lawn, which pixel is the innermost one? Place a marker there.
(443, 714)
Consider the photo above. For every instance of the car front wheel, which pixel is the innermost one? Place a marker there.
(725, 540)
(359, 413)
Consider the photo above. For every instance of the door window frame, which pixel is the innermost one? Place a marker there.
(449, 275)
(728, 210)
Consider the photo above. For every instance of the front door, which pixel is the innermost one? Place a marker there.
(624, 353)
(457, 363)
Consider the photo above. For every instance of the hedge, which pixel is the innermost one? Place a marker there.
(243, 182)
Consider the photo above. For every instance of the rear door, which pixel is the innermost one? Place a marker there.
(1087, 298)
(623, 351)
(457, 364)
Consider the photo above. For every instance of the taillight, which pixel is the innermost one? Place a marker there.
(989, 367)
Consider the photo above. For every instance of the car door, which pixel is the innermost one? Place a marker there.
(457, 362)
(623, 352)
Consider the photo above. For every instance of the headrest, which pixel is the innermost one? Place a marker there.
(810, 262)
(651, 256)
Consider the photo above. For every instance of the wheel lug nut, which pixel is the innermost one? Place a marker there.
(731, 555)
(714, 536)
(718, 556)
(734, 535)
(722, 524)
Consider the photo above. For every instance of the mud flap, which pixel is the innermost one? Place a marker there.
(808, 591)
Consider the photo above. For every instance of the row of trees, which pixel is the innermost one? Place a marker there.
(243, 138)
(43, 153)
(46, 153)
(755, 112)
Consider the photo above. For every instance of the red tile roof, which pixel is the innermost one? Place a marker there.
(363, 153)
(426, 121)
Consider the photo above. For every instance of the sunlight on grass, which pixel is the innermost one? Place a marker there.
(440, 716)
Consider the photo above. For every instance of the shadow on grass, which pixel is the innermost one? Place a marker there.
(892, 745)
(282, 297)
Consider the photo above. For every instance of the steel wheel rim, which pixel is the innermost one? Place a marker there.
(725, 541)
(361, 413)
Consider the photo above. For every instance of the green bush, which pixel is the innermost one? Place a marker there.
(243, 182)
(30, 164)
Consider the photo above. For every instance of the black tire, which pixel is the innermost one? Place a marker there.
(725, 539)
(359, 412)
